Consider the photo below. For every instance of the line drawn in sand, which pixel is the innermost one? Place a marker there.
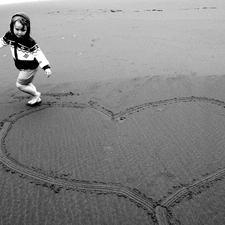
(159, 211)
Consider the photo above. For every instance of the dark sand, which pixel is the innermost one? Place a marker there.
(131, 127)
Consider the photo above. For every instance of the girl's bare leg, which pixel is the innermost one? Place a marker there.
(31, 90)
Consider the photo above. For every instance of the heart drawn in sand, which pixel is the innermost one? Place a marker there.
(131, 154)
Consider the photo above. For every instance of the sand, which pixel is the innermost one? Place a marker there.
(131, 125)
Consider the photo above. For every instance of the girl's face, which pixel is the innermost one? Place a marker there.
(19, 29)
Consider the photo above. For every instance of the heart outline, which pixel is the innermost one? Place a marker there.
(160, 212)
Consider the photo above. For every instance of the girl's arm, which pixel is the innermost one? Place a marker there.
(2, 43)
(42, 60)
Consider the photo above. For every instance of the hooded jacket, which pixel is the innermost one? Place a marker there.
(25, 51)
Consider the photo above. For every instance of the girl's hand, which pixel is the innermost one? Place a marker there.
(48, 72)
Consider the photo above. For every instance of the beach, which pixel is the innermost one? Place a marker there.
(131, 125)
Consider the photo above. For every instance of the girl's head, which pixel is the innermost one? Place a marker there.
(20, 25)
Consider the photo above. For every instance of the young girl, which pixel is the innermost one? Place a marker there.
(26, 54)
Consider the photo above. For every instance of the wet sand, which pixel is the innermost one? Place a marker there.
(131, 125)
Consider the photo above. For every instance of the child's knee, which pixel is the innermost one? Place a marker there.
(19, 86)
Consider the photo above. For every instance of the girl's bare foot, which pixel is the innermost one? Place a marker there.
(35, 99)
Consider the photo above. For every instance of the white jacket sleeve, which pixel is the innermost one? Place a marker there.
(2, 43)
(42, 60)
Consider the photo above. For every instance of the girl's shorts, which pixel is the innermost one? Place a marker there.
(26, 76)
